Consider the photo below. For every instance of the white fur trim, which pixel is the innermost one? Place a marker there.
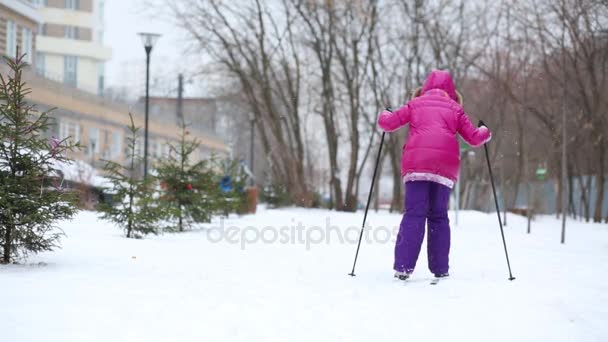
(430, 177)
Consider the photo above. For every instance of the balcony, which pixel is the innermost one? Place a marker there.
(67, 17)
(72, 47)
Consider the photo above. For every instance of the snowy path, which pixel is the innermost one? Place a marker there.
(183, 287)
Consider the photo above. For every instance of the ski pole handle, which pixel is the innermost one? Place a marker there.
(389, 109)
(481, 123)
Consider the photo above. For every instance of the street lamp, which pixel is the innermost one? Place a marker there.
(148, 40)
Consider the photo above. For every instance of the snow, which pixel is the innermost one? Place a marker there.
(81, 172)
(189, 287)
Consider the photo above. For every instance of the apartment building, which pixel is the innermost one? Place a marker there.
(19, 22)
(78, 56)
(70, 43)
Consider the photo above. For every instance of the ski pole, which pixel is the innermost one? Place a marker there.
(502, 233)
(369, 198)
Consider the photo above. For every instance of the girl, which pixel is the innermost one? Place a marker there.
(430, 166)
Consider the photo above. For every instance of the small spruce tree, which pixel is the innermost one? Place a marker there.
(29, 206)
(185, 185)
(132, 203)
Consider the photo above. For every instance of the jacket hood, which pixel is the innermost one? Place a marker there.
(439, 79)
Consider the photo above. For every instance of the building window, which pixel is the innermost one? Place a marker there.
(40, 3)
(71, 32)
(102, 6)
(70, 70)
(116, 145)
(94, 144)
(40, 63)
(26, 43)
(69, 130)
(11, 39)
(72, 4)
(101, 79)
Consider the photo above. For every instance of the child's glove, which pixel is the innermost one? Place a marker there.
(387, 112)
(482, 126)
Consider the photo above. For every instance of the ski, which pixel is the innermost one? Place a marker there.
(436, 280)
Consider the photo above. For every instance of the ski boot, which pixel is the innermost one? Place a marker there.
(403, 275)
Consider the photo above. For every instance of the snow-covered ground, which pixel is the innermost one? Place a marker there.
(190, 287)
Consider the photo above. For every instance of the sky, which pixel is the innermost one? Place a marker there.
(123, 20)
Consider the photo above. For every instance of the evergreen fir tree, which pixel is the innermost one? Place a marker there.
(29, 206)
(132, 205)
(188, 187)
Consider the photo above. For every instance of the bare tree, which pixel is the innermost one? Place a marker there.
(249, 44)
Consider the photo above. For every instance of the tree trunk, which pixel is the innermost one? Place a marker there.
(571, 206)
(588, 186)
(6, 258)
(601, 181)
(584, 185)
(181, 227)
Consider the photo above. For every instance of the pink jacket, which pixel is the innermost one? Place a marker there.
(431, 152)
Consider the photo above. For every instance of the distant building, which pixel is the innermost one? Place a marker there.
(70, 43)
(19, 23)
(199, 113)
(100, 125)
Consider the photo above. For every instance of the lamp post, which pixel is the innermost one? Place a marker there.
(148, 39)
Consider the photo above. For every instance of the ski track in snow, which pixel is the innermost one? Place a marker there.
(182, 287)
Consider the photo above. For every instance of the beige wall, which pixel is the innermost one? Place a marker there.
(62, 16)
(58, 31)
(104, 147)
(56, 3)
(85, 5)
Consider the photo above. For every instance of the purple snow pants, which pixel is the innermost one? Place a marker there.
(424, 202)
